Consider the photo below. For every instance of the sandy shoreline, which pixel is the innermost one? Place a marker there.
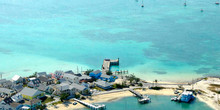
(110, 97)
(209, 97)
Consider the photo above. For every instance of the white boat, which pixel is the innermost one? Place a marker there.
(144, 100)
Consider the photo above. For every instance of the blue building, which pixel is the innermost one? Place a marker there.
(95, 74)
(187, 96)
(108, 78)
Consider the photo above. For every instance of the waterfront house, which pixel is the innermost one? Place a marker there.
(45, 80)
(17, 98)
(17, 79)
(44, 74)
(62, 88)
(5, 83)
(95, 74)
(103, 84)
(5, 91)
(34, 82)
(70, 77)
(78, 88)
(29, 93)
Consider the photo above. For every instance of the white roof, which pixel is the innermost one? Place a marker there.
(16, 77)
(32, 78)
(187, 93)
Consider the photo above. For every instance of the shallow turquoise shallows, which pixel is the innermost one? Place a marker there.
(158, 103)
(165, 40)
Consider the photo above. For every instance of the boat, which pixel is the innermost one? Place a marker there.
(217, 3)
(174, 99)
(185, 3)
(187, 96)
(144, 100)
(201, 10)
(142, 4)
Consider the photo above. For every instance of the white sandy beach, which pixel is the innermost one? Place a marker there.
(110, 97)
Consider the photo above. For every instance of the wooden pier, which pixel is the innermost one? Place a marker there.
(137, 94)
(142, 98)
(91, 106)
(107, 63)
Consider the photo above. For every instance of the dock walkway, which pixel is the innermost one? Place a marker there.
(136, 93)
(91, 106)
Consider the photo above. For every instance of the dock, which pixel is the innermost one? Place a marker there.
(142, 98)
(107, 63)
(137, 94)
(91, 106)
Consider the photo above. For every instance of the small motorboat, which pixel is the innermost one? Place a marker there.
(201, 10)
(185, 4)
(174, 99)
(217, 3)
(142, 4)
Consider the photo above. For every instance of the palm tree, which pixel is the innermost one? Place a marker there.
(156, 82)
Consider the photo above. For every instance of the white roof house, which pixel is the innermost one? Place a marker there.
(17, 78)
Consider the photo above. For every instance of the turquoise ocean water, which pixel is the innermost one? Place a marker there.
(158, 103)
(161, 40)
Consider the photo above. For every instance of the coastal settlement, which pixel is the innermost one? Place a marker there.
(61, 88)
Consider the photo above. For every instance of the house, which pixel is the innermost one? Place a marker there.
(103, 84)
(29, 93)
(44, 74)
(108, 78)
(17, 79)
(34, 82)
(6, 91)
(57, 75)
(85, 78)
(32, 103)
(17, 87)
(13, 105)
(69, 72)
(47, 89)
(95, 74)
(4, 106)
(78, 88)
(72, 78)
(62, 88)
(5, 83)
(17, 98)
(45, 80)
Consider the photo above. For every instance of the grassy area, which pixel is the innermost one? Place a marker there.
(98, 88)
(49, 99)
(214, 88)
(55, 103)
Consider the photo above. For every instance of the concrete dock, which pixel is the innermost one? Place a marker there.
(107, 63)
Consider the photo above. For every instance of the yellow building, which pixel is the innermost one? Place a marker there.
(29, 93)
